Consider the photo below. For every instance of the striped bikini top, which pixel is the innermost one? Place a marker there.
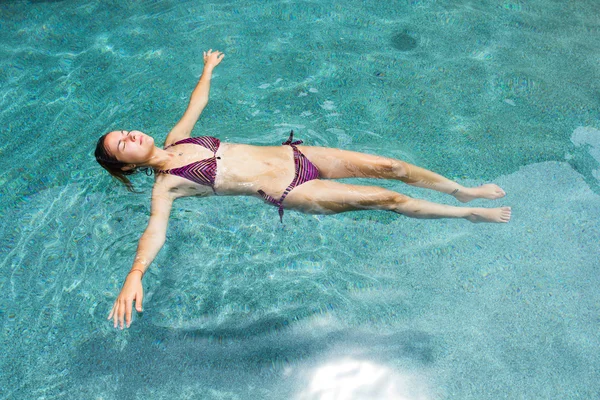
(202, 172)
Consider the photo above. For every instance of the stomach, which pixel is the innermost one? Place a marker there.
(245, 169)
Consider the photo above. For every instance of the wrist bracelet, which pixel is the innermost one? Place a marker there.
(135, 269)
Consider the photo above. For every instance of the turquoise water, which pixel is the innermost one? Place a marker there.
(356, 306)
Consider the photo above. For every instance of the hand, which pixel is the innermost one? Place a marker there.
(132, 291)
(213, 59)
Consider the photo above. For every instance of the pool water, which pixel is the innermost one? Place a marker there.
(355, 306)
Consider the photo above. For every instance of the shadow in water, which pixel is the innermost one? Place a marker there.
(403, 41)
(229, 359)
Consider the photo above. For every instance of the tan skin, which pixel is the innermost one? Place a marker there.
(242, 170)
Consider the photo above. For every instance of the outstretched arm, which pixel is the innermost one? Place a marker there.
(198, 100)
(149, 245)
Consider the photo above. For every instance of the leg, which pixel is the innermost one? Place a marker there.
(336, 164)
(328, 197)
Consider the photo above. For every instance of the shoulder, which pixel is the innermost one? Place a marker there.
(179, 132)
(163, 189)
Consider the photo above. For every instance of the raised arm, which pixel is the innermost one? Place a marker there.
(198, 99)
(149, 245)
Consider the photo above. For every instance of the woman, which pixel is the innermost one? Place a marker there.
(204, 166)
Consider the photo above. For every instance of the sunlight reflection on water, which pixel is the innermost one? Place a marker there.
(351, 379)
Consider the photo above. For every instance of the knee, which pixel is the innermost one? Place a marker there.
(401, 199)
(396, 202)
(387, 201)
(400, 168)
(402, 203)
(394, 168)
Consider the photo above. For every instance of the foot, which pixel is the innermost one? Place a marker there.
(489, 191)
(501, 214)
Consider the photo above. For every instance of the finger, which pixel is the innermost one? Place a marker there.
(116, 316)
(128, 308)
(121, 314)
(138, 302)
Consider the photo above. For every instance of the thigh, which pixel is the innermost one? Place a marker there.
(329, 197)
(335, 163)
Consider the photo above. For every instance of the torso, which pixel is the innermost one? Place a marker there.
(241, 170)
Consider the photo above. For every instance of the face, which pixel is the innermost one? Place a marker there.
(130, 147)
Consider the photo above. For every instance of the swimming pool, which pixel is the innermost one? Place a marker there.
(355, 306)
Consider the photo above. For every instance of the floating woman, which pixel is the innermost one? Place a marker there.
(290, 176)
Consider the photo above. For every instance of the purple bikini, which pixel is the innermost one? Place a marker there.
(304, 171)
(204, 171)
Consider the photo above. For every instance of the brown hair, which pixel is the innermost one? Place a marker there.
(110, 163)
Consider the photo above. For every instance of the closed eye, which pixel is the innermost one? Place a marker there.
(121, 141)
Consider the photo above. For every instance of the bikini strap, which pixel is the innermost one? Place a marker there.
(272, 200)
(290, 141)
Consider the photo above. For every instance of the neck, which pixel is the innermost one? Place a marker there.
(159, 158)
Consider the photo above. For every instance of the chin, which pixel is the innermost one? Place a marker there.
(149, 140)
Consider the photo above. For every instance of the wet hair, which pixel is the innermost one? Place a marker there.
(110, 163)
